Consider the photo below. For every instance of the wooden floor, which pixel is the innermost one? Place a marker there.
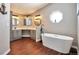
(28, 46)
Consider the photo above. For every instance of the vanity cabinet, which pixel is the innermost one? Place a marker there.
(25, 33)
(16, 34)
(33, 34)
(38, 33)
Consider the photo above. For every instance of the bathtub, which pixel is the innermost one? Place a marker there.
(56, 42)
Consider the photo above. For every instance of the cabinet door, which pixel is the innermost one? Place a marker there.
(16, 34)
(19, 34)
(38, 33)
(33, 35)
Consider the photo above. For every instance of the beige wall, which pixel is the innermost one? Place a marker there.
(68, 26)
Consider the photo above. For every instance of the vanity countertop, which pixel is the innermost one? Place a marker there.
(24, 28)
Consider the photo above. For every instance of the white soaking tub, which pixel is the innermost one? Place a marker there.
(56, 42)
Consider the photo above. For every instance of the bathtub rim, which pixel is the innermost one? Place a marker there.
(57, 36)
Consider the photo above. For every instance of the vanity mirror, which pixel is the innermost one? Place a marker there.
(28, 21)
(15, 20)
(37, 20)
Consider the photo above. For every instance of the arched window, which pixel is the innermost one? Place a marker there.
(56, 17)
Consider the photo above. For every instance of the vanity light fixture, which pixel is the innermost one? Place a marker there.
(3, 8)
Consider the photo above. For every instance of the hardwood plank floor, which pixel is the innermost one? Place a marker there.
(28, 46)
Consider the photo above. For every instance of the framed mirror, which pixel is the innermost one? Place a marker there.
(37, 20)
(28, 21)
(15, 20)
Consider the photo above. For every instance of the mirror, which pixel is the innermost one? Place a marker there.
(37, 20)
(15, 20)
(28, 21)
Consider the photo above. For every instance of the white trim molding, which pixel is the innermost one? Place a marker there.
(6, 52)
(25, 35)
(76, 49)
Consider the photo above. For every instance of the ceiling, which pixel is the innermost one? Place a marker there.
(26, 8)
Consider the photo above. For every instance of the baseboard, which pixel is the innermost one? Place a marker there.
(75, 47)
(25, 35)
(6, 52)
(38, 40)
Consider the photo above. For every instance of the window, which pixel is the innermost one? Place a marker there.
(56, 17)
